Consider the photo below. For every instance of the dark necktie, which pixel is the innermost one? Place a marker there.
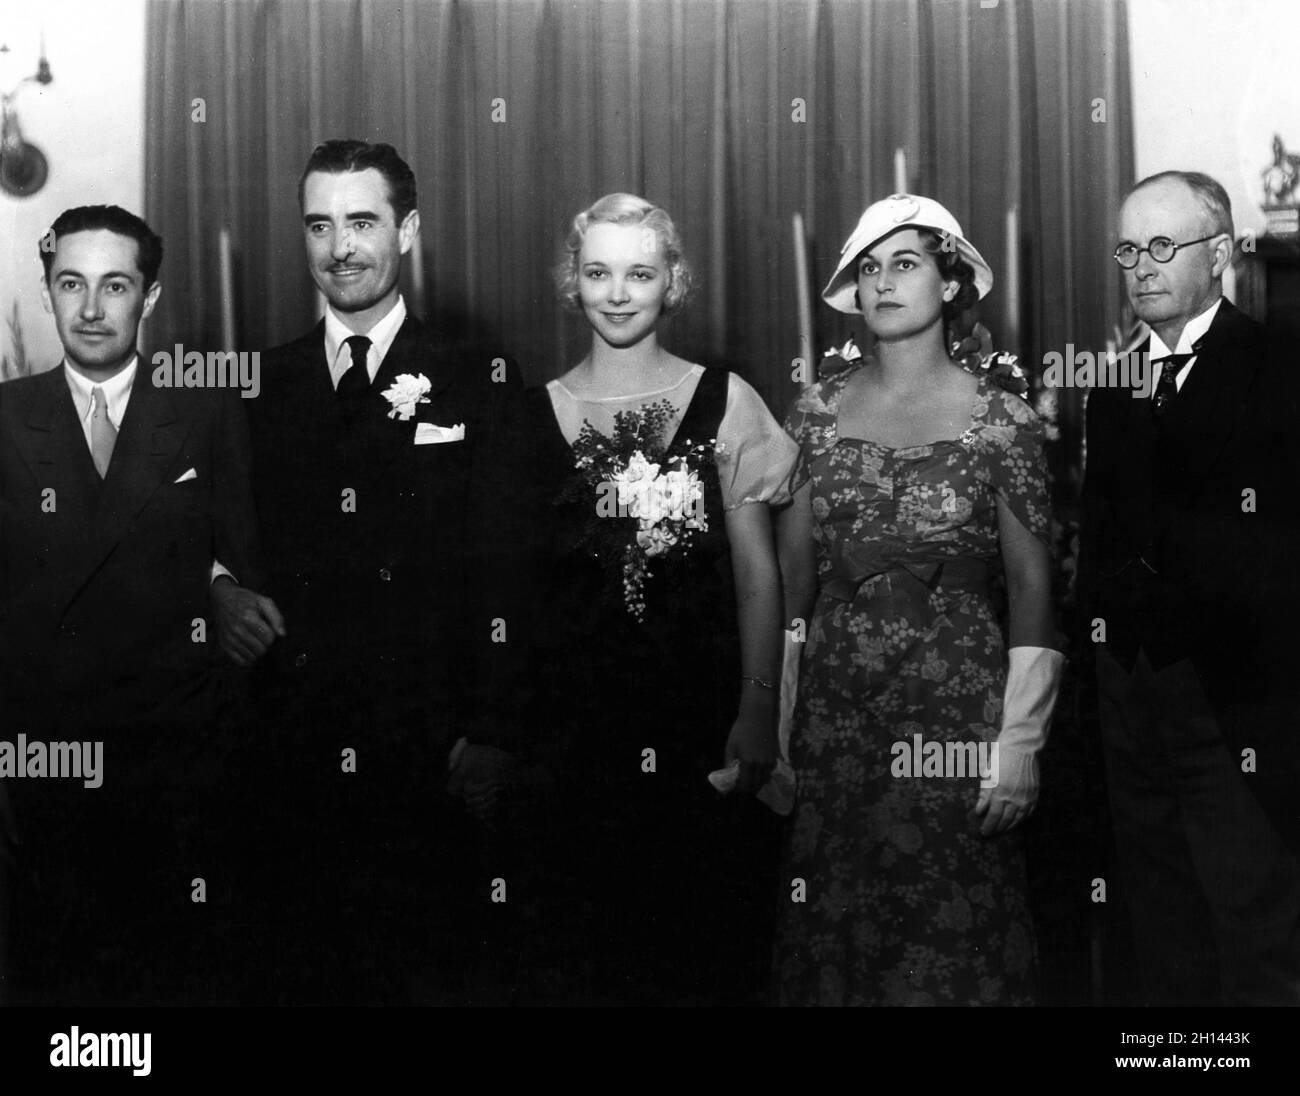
(1167, 386)
(355, 383)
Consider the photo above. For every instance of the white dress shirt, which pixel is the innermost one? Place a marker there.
(1195, 330)
(117, 394)
(381, 337)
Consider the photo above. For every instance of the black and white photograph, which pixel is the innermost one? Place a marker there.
(660, 504)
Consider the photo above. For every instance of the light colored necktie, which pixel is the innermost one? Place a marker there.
(103, 434)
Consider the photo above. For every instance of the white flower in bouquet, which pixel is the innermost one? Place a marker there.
(683, 497)
(656, 540)
(665, 497)
(636, 486)
(654, 497)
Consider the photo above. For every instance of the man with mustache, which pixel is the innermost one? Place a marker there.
(1188, 585)
(373, 440)
(116, 496)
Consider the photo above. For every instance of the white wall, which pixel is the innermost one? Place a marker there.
(1213, 80)
(89, 122)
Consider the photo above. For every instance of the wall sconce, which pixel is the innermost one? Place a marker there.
(23, 167)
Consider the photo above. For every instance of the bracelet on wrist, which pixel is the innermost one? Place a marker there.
(760, 682)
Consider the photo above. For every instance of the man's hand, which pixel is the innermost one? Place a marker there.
(247, 622)
(479, 775)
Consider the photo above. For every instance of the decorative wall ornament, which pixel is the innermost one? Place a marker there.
(23, 167)
(1282, 192)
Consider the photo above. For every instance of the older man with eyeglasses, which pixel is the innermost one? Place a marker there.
(1188, 588)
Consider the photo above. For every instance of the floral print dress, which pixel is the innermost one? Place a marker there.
(903, 902)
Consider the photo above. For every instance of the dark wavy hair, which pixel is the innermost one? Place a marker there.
(952, 267)
(339, 156)
(149, 245)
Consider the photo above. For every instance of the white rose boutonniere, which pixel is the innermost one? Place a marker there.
(405, 393)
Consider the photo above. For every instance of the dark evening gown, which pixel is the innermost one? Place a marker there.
(660, 890)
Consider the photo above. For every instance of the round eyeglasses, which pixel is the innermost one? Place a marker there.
(1161, 249)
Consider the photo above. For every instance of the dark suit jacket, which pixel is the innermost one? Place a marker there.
(1226, 591)
(377, 550)
(101, 580)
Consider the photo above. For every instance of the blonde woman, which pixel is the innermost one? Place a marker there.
(661, 634)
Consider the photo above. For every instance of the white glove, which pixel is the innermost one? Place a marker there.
(791, 651)
(1033, 680)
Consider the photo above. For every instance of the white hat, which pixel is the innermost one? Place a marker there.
(895, 212)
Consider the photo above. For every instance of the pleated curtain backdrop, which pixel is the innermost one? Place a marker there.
(732, 114)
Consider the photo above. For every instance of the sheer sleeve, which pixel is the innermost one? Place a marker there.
(756, 457)
(1019, 467)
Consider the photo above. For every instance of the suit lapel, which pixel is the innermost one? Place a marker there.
(1204, 416)
(414, 350)
(375, 440)
(147, 445)
(316, 387)
(54, 445)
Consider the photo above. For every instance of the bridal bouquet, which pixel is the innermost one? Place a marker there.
(643, 503)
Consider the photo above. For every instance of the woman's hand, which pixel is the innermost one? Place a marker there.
(1015, 795)
(1033, 681)
(752, 742)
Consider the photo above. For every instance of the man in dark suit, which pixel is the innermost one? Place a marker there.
(115, 497)
(372, 439)
(1188, 579)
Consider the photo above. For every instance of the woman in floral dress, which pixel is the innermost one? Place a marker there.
(920, 480)
(661, 883)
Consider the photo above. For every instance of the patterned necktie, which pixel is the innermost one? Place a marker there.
(1167, 385)
(103, 434)
(355, 383)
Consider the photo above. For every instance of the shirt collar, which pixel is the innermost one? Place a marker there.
(381, 337)
(117, 390)
(1195, 330)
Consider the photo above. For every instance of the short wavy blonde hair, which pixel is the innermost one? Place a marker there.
(624, 209)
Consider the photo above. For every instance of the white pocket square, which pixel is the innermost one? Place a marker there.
(191, 474)
(428, 434)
